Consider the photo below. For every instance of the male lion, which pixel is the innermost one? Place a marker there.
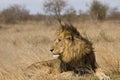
(75, 54)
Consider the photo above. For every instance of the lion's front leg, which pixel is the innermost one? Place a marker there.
(101, 75)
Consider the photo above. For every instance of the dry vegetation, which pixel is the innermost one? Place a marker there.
(26, 43)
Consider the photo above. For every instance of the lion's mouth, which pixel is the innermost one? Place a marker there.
(55, 55)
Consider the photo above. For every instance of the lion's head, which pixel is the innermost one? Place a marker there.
(69, 44)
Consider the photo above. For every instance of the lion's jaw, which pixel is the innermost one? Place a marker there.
(55, 56)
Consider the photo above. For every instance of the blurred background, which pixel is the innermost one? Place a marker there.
(27, 30)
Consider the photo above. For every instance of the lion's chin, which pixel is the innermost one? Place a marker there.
(55, 56)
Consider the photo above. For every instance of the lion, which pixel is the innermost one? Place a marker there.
(74, 52)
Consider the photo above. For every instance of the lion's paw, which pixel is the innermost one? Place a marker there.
(105, 78)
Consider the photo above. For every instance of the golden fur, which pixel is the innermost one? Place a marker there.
(43, 67)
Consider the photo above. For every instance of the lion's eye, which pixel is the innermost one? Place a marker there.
(58, 40)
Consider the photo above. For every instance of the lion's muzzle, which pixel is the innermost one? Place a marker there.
(54, 55)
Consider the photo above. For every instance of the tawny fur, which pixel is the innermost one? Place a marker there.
(43, 67)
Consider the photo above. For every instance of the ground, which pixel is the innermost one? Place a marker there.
(26, 43)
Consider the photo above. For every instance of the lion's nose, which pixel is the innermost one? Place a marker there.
(51, 50)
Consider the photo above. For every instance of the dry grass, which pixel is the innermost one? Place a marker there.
(26, 43)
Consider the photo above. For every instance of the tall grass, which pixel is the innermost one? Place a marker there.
(26, 43)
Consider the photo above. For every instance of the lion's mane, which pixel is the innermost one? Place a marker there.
(78, 54)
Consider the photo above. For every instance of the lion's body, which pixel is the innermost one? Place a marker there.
(44, 67)
(75, 53)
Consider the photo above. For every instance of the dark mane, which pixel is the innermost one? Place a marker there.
(71, 29)
(74, 32)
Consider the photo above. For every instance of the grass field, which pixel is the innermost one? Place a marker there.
(26, 43)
